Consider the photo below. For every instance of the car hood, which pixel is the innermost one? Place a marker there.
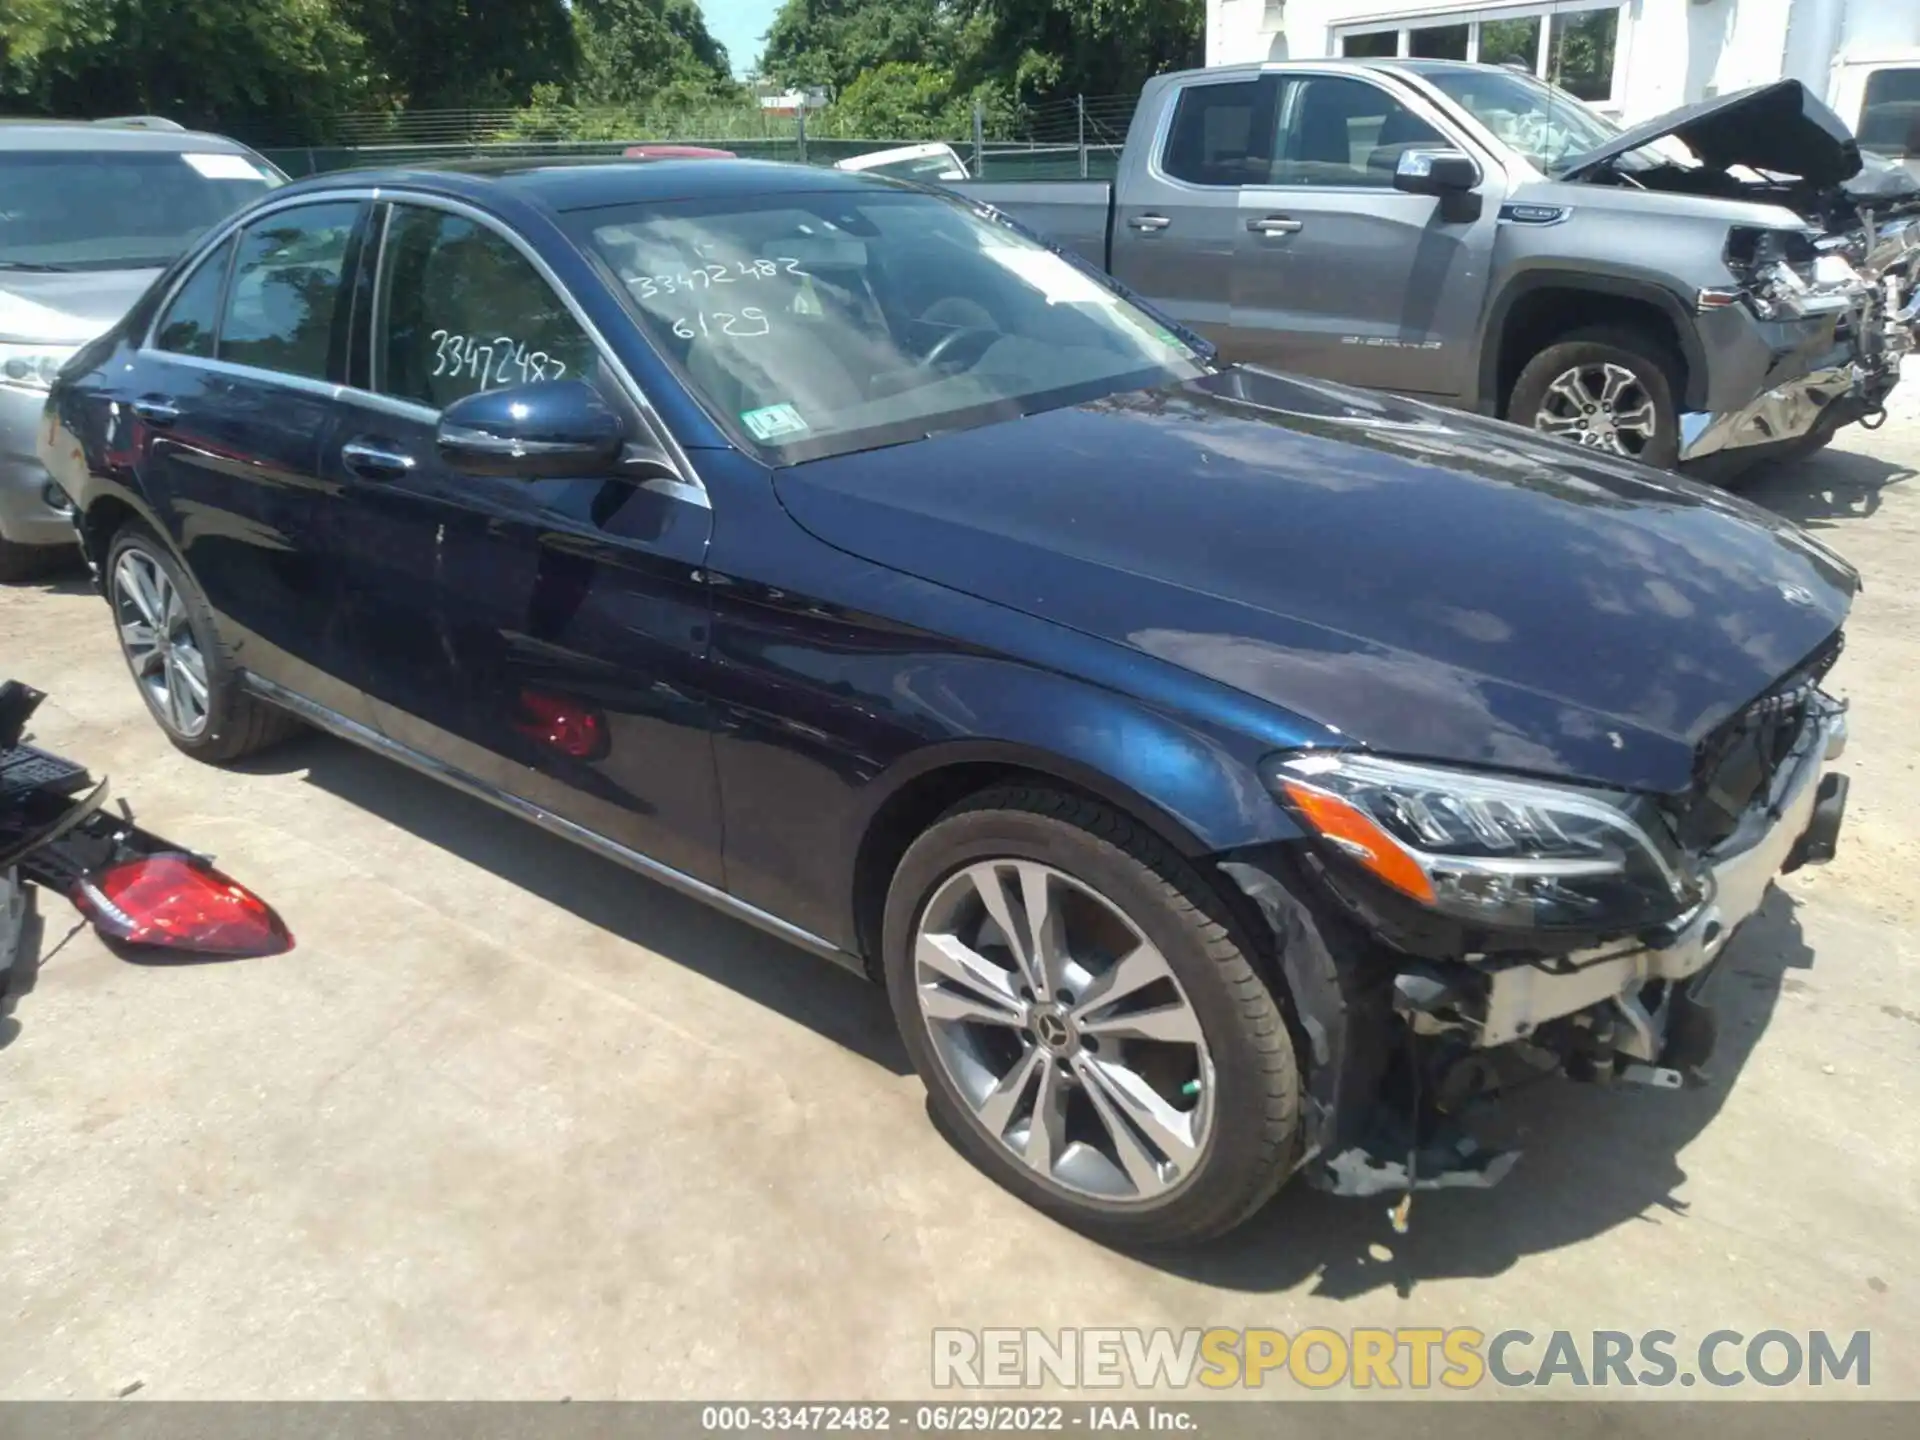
(68, 306)
(1781, 127)
(1426, 583)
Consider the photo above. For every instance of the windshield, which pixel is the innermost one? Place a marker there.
(816, 324)
(116, 209)
(1547, 126)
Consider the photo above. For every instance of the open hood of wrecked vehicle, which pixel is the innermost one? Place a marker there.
(1780, 127)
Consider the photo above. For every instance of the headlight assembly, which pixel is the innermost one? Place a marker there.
(31, 367)
(1503, 853)
(1785, 275)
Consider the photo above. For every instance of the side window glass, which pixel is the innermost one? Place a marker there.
(461, 310)
(1338, 131)
(1890, 113)
(193, 319)
(286, 289)
(1220, 132)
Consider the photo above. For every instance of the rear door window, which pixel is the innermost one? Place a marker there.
(1222, 134)
(284, 303)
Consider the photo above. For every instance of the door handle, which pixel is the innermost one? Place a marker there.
(155, 411)
(1276, 225)
(375, 462)
(1149, 223)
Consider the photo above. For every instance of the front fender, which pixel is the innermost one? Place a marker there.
(1618, 281)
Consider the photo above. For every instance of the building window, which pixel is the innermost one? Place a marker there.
(1571, 43)
(1511, 42)
(1580, 53)
(1440, 42)
(1379, 45)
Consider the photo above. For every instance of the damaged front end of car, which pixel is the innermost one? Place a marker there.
(1449, 935)
(1837, 293)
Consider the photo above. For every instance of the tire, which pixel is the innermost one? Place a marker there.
(1655, 380)
(1243, 1096)
(32, 562)
(231, 722)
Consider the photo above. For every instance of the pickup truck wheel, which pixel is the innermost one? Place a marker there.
(1080, 1005)
(167, 635)
(1605, 388)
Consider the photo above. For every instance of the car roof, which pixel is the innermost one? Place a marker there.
(587, 184)
(86, 135)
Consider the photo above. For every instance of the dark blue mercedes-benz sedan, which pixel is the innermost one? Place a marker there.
(1227, 775)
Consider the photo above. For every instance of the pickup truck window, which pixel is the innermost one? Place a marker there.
(1890, 115)
(1547, 126)
(1222, 134)
(820, 323)
(1340, 131)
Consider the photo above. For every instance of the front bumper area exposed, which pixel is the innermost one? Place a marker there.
(1522, 997)
(1786, 412)
(1627, 1012)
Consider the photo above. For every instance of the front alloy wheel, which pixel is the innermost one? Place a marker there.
(1603, 406)
(1064, 1029)
(1608, 388)
(159, 644)
(1085, 1009)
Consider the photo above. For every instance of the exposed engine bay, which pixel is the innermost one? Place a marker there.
(1450, 1022)
(1856, 255)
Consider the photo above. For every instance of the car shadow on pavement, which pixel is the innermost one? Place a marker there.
(18, 980)
(1592, 1159)
(1826, 488)
(827, 999)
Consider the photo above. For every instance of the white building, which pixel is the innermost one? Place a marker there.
(1632, 59)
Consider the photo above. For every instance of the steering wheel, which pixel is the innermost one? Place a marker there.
(942, 353)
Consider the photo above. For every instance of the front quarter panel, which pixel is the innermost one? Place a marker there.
(840, 682)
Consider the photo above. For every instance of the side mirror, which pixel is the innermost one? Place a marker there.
(1435, 172)
(549, 429)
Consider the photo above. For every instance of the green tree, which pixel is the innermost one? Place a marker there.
(899, 100)
(266, 68)
(462, 54)
(834, 42)
(631, 52)
(1053, 49)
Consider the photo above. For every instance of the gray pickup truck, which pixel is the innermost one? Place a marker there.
(1728, 282)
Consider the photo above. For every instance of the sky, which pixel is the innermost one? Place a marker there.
(739, 25)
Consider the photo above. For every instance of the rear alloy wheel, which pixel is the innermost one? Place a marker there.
(1081, 1006)
(168, 637)
(1608, 390)
(159, 644)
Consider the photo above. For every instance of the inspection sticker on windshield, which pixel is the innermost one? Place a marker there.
(773, 422)
(216, 166)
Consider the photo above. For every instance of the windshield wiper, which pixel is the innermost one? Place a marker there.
(35, 265)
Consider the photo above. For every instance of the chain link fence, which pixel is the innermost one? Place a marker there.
(1072, 138)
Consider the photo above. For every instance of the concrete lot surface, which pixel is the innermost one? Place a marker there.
(511, 1122)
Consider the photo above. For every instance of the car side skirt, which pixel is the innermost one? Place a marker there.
(345, 728)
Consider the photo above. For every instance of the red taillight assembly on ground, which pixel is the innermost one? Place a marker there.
(180, 903)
